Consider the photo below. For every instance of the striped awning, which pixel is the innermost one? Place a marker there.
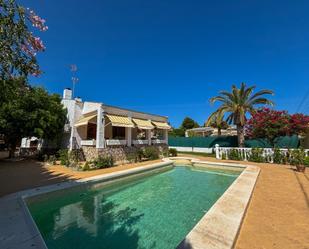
(120, 121)
(143, 124)
(161, 125)
(85, 120)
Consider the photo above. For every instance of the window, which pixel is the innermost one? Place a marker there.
(91, 131)
(119, 132)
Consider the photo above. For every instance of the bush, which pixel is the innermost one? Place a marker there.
(151, 153)
(297, 157)
(104, 162)
(52, 159)
(165, 152)
(172, 152)
(139, 155)
(306, 161)
(279, 158)
(86, 166)
(133, 157)
(64, 157)
(234, 155)
(256, 155)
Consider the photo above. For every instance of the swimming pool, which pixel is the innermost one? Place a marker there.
(154, 211)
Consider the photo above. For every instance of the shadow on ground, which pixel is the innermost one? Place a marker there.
(24, 174)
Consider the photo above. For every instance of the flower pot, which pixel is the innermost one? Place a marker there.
(300, 168)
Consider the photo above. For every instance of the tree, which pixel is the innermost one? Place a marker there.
(270, 124)
(238, 103)
(217, 122)
(27, 111)
(177, 132)
(189, 123)
(18, 44)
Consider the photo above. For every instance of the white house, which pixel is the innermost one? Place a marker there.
(94, 126)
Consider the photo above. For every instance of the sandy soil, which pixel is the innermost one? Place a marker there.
(25, 174)
(277, 217)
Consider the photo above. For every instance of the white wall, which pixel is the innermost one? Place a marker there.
(192, 149)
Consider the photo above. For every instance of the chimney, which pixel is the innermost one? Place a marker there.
(67, 93)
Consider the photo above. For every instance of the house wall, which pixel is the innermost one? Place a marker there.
(120, 154)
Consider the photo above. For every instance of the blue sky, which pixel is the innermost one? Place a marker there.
(169, 57)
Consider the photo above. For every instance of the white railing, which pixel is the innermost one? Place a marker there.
(140, 141)
(245, 153)
(88, 142)
(116, 142)
(158, 141)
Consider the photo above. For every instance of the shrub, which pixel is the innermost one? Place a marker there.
(297, 157)
(165, 152)
(151, 153)
(139, 155)
(64, 157)
(234, 155)
(306, 161)
(172, 152)
(133, 157)
(257, 155)
(86, 166)
(278, 156)
(52, 159)
(104, 162)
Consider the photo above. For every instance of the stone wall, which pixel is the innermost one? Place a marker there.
(119, 153)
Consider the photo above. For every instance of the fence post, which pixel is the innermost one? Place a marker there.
(217, 151)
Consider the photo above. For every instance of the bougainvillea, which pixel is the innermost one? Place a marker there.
(268, 123)
(18, 43)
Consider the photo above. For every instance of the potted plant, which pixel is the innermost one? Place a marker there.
(297, 159)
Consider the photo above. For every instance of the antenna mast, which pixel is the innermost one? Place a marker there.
(74, 78)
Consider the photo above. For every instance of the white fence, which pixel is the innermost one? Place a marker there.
(245, 153)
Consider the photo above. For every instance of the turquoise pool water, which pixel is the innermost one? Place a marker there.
(153, 212)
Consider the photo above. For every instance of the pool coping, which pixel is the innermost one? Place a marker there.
(19, 231)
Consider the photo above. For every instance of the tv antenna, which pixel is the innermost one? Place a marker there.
(74, 78)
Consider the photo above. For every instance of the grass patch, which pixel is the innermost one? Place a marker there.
(198, 154)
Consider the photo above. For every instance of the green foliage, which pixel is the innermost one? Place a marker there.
(64, 157)
(52, 159)
(279, 158)
(151, 153)
(306, 161)
(178, 132)
(27, 111)
(133, 157)
(140, 154)
(189, 123)
(17, 42)
(237, 104)
(165, 152)
(234, 155)
(256, 155)
(86, 166)
(173, 152)
(104, 162)
(297, 157)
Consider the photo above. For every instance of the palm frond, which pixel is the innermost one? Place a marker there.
(260, 93)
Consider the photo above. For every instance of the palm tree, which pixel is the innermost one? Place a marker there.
(237, 104)
(216, 121)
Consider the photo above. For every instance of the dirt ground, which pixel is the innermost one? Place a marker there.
(25, 174)
(277, 217)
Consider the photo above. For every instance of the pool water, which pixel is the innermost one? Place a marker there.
(156, 211)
